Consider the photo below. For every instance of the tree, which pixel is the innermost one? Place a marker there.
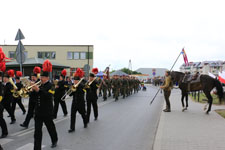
(128, 71)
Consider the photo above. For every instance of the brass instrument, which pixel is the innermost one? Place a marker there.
(27, 89)
(88, 84)
(72, 89)
(16, 93)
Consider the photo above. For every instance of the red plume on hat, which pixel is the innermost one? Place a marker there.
(79, 73)
(11, 73)
(37, 70)
(95, 70)
(19, 74)
(47, 66)
(63, 72)
(2, 66)
(2, 55)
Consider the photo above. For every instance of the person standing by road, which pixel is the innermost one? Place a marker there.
(167, 90)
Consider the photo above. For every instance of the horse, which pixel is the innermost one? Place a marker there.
(206, 84)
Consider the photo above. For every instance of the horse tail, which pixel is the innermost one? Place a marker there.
(219, 89)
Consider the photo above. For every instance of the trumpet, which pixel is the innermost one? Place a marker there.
(72, 89)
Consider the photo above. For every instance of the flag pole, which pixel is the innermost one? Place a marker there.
(159, 88)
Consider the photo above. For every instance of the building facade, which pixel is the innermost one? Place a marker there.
(74, 56)
(204, 67)
(150, 73)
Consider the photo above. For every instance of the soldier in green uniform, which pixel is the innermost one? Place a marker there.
(167, 90)
(109, 86)
(116, 85)
(124, 86)
(104, 87)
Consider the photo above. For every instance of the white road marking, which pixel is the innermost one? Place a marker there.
(5, 141)
(28, 146)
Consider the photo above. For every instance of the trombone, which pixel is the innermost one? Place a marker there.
(88, 84)
(72, 89)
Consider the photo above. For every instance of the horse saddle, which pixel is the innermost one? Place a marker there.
(191, 78)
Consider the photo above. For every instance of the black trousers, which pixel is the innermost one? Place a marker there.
(166, 96)
(2, 121)
(30, 113)
(94, 104)
(19, 102)
(48, 121)
(8, 108)
(58, 101)
(81, 109)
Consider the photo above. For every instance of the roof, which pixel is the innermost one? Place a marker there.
(35, 62)
(119, 73)
(47, 45)
(149, 71)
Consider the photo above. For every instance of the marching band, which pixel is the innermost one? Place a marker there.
(45, 97)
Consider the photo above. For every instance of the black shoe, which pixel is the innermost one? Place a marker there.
(1, 147)
(96, 118)
(23, 125)
(71, 130)
(4, 135)
(65, 115)
(24, 112)
(13, 121)
(167, 110)
(85, 125)
(54, 144)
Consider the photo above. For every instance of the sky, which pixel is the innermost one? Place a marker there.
(150, 33)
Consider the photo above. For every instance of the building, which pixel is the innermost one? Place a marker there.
(74, 56)
(204, 67)
(151, 72)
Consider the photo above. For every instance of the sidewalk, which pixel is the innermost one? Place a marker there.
(190, 130)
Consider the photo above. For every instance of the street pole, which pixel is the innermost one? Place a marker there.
(159, 88)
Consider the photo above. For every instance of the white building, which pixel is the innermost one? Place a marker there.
(204, 67)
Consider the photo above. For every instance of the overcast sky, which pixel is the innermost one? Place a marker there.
(149, 32)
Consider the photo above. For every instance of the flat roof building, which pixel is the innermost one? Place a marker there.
(74, 56)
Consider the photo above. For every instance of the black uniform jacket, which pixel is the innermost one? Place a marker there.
(78, 95)
(7, 93)
(44, 105)
(60, 91)
(34, 95)
(92, 91)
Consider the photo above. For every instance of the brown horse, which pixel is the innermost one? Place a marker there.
(206, 84)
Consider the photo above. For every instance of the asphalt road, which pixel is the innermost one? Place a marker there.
(128, 124)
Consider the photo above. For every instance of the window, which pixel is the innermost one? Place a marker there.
(90, 55)
(79, 55)
(12, 54)
(82, 55)
(48, 55)
(69, 55)
(76, 55)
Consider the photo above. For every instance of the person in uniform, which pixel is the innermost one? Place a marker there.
(104, 86)
(32, 97)
(7, 96)
(78, 103)
(59, 93)
(91, 96)
(2, 120)
(167, 90)
(44, 108)
(116, 85)
(18, 100)
(124, 86)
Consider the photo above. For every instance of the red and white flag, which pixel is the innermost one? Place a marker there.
(185, 57)
(222, 77)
